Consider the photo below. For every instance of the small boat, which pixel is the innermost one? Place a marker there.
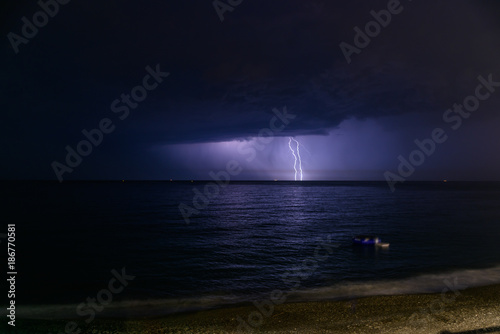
(369, 240)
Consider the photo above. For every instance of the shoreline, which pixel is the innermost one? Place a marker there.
(465, 311)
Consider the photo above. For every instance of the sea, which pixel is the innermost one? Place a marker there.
(194, 245)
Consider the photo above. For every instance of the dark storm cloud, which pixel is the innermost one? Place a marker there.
(289, 55)
(226, 77)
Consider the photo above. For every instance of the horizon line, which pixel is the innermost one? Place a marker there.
(211, 180)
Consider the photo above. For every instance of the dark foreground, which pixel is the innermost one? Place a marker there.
(469, 311)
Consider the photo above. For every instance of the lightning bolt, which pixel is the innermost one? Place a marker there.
(300, 160)
(295, 156)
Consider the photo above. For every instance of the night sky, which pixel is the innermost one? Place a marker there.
(212, 87)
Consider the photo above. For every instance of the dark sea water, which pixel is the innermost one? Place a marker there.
(237, 249)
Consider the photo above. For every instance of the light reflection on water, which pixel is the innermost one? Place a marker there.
(240, 245)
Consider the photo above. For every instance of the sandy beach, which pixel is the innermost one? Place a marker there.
(475, 310)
